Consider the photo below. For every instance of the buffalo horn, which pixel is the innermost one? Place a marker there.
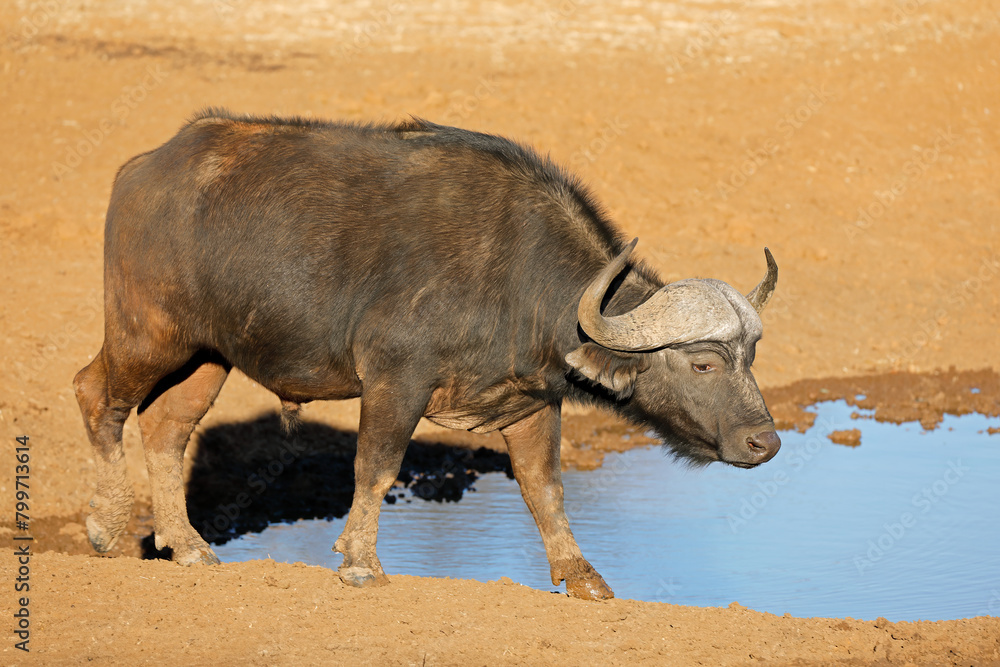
(680, 312)
(761, 294)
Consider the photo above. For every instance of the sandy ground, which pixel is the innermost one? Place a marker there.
(859, 140)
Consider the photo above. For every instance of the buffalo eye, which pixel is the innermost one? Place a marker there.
(703, 368)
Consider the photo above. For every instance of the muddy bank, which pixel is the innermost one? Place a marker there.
(895, 397)
(267, 613)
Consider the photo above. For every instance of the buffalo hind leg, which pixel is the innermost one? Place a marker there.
(167, 418)
(117, 380)
(533, 444)
(104, 418)
(388, 417)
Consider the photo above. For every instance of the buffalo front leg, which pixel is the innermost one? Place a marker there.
(388, 417)
(533, 444)
(167, 419)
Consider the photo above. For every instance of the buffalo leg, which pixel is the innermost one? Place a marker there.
(107, 389)
(167, 419)
(388, 417)
(533, 444)
(104, 418)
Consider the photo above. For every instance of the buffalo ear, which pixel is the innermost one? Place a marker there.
(615, 371)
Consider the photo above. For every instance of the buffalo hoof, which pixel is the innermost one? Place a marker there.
(589, 588)
(582, 580)
(101, 537)
(362, 577)
(196, 556)
(109, 518)
(188, 547)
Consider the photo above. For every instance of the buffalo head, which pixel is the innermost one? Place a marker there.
(680, 362)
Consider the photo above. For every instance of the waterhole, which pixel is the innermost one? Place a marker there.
(906, 526)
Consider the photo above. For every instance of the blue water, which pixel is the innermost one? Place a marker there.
(906, 526)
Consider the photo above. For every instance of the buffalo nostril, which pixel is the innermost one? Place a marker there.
(764, 444)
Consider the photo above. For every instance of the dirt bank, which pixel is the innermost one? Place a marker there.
(122, 611)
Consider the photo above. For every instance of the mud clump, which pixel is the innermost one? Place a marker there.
(895, 397)
(848, 437)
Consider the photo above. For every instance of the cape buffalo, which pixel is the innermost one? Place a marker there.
(433, 272)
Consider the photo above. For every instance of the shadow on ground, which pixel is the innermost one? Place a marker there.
(248, 475)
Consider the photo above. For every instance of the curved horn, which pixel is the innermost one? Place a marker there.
(595, 325)
(761, 294)
(680, 312)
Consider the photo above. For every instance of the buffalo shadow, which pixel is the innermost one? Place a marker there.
(250, 474)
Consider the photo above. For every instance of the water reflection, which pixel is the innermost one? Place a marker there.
(904, 526)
